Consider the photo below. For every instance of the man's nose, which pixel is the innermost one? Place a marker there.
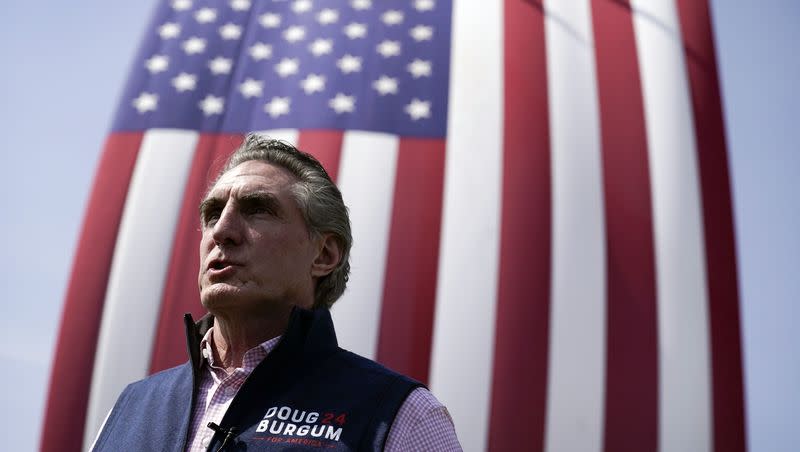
(228, 228)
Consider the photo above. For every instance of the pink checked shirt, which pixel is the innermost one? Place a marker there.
(421, 424)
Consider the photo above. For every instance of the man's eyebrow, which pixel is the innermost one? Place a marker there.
(267, 199)
(208, 204)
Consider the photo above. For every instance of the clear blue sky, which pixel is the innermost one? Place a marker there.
(63, 66)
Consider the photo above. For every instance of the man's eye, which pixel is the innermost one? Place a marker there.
(257, 206)
(256, 209)
(210, 218)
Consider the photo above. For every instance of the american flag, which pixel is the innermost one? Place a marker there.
(539, 194)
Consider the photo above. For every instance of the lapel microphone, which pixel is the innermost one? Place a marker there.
(229, 433)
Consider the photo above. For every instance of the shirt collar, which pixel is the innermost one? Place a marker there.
(251, 357)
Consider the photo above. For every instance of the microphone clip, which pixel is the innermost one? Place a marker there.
(229, 433)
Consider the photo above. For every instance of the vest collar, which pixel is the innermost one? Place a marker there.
(306, 327)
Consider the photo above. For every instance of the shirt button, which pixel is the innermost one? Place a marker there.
(205, 441)
(229, 391)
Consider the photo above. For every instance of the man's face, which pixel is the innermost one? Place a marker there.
(256, 250)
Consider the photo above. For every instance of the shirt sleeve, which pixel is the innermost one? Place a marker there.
(422, 424)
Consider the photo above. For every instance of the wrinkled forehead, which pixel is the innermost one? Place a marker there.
(252, 175)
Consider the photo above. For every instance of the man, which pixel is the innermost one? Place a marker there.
(265, 371)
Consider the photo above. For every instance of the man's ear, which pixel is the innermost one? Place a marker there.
(328, 256)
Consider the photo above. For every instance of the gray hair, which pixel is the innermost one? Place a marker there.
(319, 200)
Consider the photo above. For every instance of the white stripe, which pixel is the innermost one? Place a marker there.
(366, 179)
(139, 268)
(288, 135)
(684, 366)
(463, 339)
(576, 371)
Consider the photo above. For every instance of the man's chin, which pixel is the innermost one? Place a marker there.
(220, 295)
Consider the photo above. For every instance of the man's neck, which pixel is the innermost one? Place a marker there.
(234, 336)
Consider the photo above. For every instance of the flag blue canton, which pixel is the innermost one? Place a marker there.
(237, 66)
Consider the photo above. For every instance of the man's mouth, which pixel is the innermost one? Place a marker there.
(220, 264)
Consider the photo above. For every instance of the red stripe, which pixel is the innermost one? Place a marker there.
(631, 415)
(409, 292)
(723, 296)
(519, 387)
(180, 290)
(83, 308)
(325, 146)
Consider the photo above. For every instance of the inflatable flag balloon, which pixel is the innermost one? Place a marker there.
(539, 195)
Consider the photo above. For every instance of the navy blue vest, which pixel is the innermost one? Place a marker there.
(307, 394)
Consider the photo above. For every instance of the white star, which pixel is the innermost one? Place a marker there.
(269, 20)
(421, 33)
(287, 67)
(212, 105)
(240, 5)
(389, 48)
(321, 46)
(205, 15)
(251, 88)
(181, 5)
(385, 85)
(145, 102)
(418, 109)
(313, 83)
(220, 65)
(260, 51)
(277, 106)
(392, 17)
(327, 16)
(361, 4)
(294, 33)
(230, 31)
(184, 82)
(349, 63)
(419, 68)
(355, 30)
(169, 30)
(342, 103)
(157, 63)
(301, 6)
(194, 45)
(423, 5)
